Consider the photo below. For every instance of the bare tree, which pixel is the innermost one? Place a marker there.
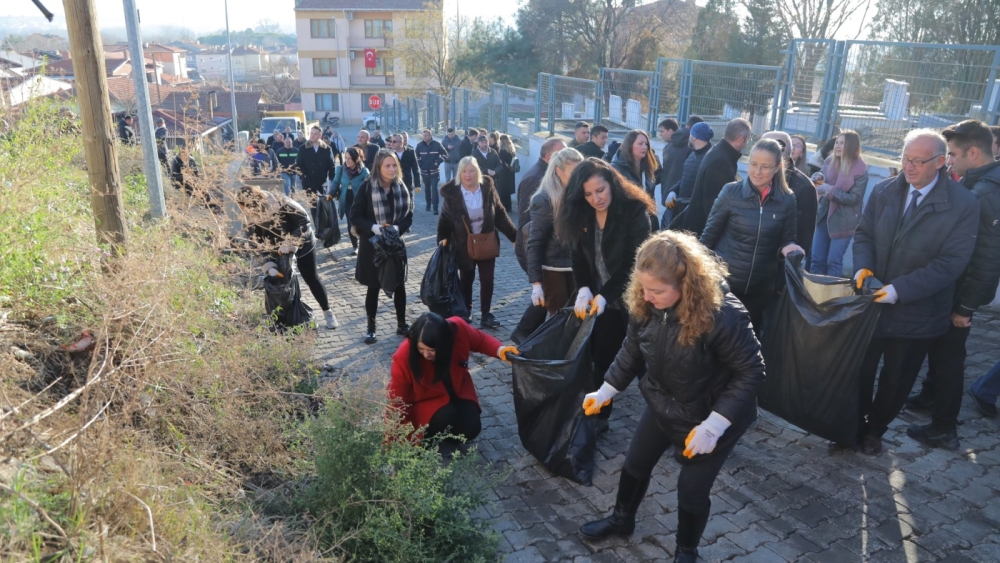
(278, 79)
(430, 48)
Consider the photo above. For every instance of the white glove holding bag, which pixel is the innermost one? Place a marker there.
(537, 295)
(583, 299)
(594, 402)
(376, 230)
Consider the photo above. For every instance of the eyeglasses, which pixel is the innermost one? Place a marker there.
(917, 163)
(765, 168)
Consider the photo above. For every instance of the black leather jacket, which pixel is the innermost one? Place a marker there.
(683, 384)
(544, 249)
(748, 235)
(978, 284)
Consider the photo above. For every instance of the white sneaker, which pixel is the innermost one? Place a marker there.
(331, 320)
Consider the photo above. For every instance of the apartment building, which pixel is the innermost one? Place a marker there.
(332, 38)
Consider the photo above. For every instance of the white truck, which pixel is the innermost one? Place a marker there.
(272, 120)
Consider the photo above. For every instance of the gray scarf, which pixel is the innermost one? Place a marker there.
(401, 203)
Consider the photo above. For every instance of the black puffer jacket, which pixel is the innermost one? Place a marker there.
(674, 155)
(625, 229)
(978, 285)
(683, 384)
(544, 249)
(749, 235)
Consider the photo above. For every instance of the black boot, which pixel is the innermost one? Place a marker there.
(370, 335)
(690, 527)
(622, 521)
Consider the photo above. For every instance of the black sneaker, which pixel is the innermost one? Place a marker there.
(928, 436)
(435, 211)
(403, 329)
(920, 402)
(489, 321)
(989, 410)
(871, 445)
(370, 338)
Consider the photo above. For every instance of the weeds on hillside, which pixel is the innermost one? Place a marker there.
(171, 431)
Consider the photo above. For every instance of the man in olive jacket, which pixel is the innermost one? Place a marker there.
(717, 169)
(916, 236)
(970, 155)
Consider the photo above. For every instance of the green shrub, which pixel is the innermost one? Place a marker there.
(379, 497)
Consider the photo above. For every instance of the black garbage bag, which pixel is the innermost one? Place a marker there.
(390, 259)
(327, 223)
(440, 289)
(532, 318)
(813, 346)
(551, 375)
(282, 296)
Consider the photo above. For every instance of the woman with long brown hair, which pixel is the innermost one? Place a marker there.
(636, 161)
(842, 186)
(383, 202)
(699, 365)
(603, 218)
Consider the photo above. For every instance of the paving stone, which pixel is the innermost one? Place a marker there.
(781, 495)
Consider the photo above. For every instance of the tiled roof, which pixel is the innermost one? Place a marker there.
(363, 5)
(122, 88)
(114, 67)
(159, 48)
(180, 123)
(184, 99)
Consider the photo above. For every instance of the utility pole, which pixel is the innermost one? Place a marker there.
(232, 83)
(150, 158)
(99, 137)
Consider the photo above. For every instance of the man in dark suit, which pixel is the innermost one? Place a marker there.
(716, 170)
(368, 148)
(408, 162)
(468, 143)
(487, 158)
(916, 235)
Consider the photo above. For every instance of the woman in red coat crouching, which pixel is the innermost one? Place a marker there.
(430, 380)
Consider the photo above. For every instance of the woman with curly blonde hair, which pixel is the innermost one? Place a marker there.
(691, 341)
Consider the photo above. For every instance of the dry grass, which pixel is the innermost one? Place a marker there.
(146, 446)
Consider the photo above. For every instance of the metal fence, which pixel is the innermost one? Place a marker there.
(882, 90)
(626, 100)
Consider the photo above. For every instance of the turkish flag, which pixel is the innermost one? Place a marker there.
(369, 58)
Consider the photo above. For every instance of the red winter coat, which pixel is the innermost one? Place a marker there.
(417, 396)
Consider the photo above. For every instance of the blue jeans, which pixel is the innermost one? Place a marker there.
(449, 169)
(430, 182)
(827, 257)
(289, 182)
(987, 387)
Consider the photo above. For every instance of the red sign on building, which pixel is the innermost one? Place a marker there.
(374, 101)
(369, 58)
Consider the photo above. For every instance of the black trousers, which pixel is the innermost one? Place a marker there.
(349, 201)
(398, 299)
(487, 271)
(902, 360)
(694, 484)
(946, 377)
(609, 333)
(756, 301)
(459, 417)
(306, 258)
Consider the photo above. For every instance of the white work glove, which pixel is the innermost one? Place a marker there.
(702, 438)
(597, 305)
(886, 295)
(376, 230)
(537, 295)
(287, 249)
(594, 402)
(669, 201)
(583, 299)
(504, 350)
(270, 269)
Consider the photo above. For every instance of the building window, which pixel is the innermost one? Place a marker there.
(322, 29)
(378, 28)
(324, 67)
(327, 102)
(364, 101)
(383, 67)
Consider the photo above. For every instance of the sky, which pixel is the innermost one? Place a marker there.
(201, 16)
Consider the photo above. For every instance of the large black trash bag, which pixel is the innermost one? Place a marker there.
(282, 296)
(440, 289)
(813, 346)
(326, 221)
(551, 376)
(390, 260)
(531, 320)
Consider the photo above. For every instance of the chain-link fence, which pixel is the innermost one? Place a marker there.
(519, 115)
(670, 81)
(418, 108)
(626, 100)
(724, 91)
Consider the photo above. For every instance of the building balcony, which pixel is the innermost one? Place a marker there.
(361, 42)
(377, 80)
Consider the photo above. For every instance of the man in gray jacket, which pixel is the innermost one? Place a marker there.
(917, 234)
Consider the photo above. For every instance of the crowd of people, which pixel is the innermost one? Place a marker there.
(681, 299)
